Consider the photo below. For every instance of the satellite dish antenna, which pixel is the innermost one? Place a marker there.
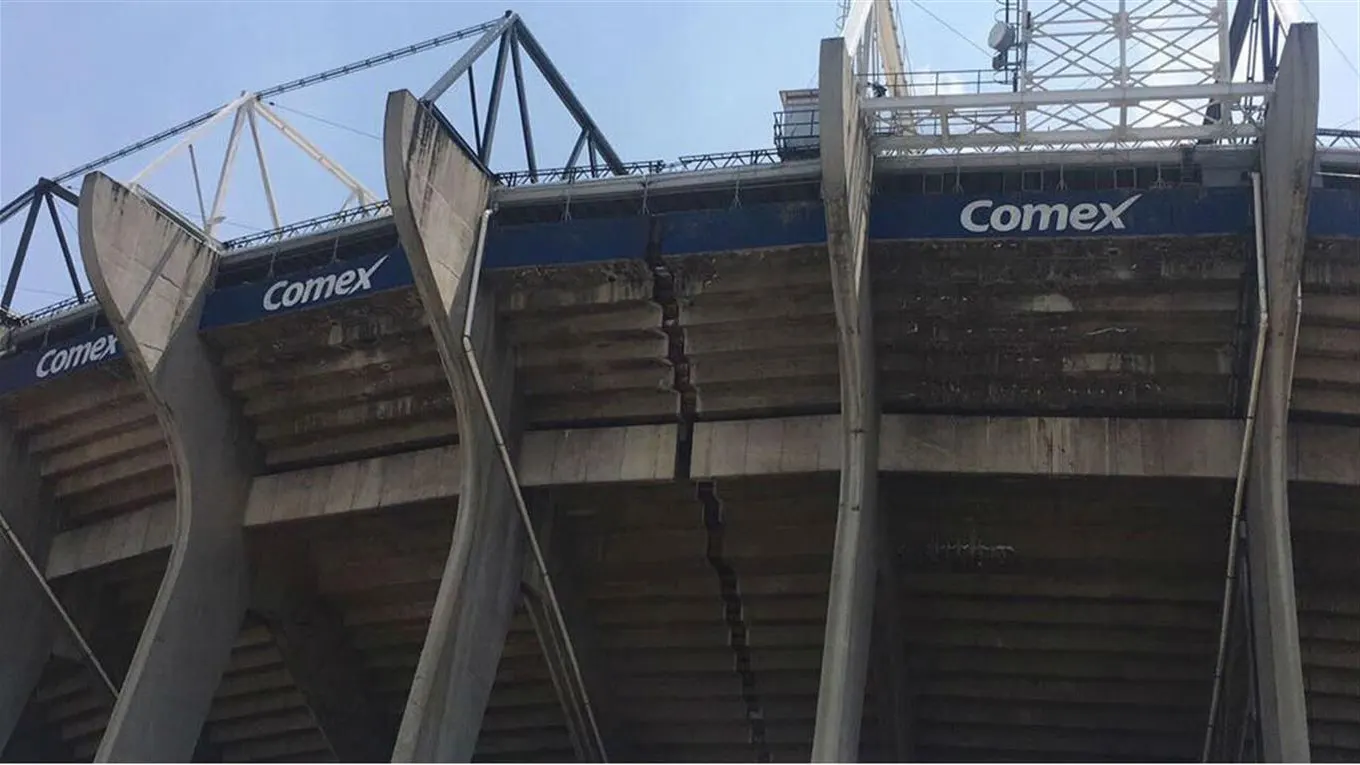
(1002, 36)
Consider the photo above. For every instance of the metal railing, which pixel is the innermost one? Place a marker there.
(725, 160)
(941, 83)
(576, 173)
(63, 306)
(1333, 138)
(311, 226)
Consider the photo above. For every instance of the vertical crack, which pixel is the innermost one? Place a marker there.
(734, 615)
(664, 294)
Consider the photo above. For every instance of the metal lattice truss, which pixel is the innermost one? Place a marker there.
(44, 193)
(510, 36)
(591, 156)
(248, 110)
(1092, 74)
(1343, 140)
(870, 31)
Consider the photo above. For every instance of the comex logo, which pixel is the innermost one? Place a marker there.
(60, 360)
(1043, 217)
(287, 293)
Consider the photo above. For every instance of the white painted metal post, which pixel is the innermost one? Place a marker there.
(224, 179)
(264, 169)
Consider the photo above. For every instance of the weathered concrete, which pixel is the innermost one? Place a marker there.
(1057, 446)
(1288, 144)
(598, 455)
(636, 453)
(118, 538)
(27, 629)
(771, 446)
(151, 273)
(1060, 446)
(438, 196)
(847, 170)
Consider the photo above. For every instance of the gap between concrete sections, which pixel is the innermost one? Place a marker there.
(664, 295)
(734, 614)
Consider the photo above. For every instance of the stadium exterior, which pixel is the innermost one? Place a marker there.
(848, 456)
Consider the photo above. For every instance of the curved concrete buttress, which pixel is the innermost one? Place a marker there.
(1287, 148)
(438, 195)
(151, 273)
(27, 629)
(847, 172)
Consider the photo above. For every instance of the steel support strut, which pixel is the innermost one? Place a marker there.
(511, 35)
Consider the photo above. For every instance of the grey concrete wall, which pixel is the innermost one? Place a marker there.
(438, 196)
(26, 624)
(1288, 145)
(151, 273)
(847, 171)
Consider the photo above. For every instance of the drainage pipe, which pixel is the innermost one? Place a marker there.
(22, 552)
(1248, 431)
(471, 355)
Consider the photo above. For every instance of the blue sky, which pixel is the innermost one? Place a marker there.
(663, 79)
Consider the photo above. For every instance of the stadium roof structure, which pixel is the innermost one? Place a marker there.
(1070, 79)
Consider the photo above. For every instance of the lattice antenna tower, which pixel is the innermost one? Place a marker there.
(1069, 74)
(1080, 45)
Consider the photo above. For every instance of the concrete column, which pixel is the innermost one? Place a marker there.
(1287, 148)
(847, 172)
(438, 195)
(27, 629)
(151, 273)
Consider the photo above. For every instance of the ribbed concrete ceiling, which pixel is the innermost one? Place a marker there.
(1327, 376)
(351, 379)
(1052, 619)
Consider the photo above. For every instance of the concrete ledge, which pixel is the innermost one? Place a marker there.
(352, 487)
(119, 538)
(599, 455)
(1058, 446)
(1324, 454)
(1061, 446)
(761, 447)
(636, 453)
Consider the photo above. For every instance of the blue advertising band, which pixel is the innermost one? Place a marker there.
(1176, 212)
(33, 367)
(307, 289)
